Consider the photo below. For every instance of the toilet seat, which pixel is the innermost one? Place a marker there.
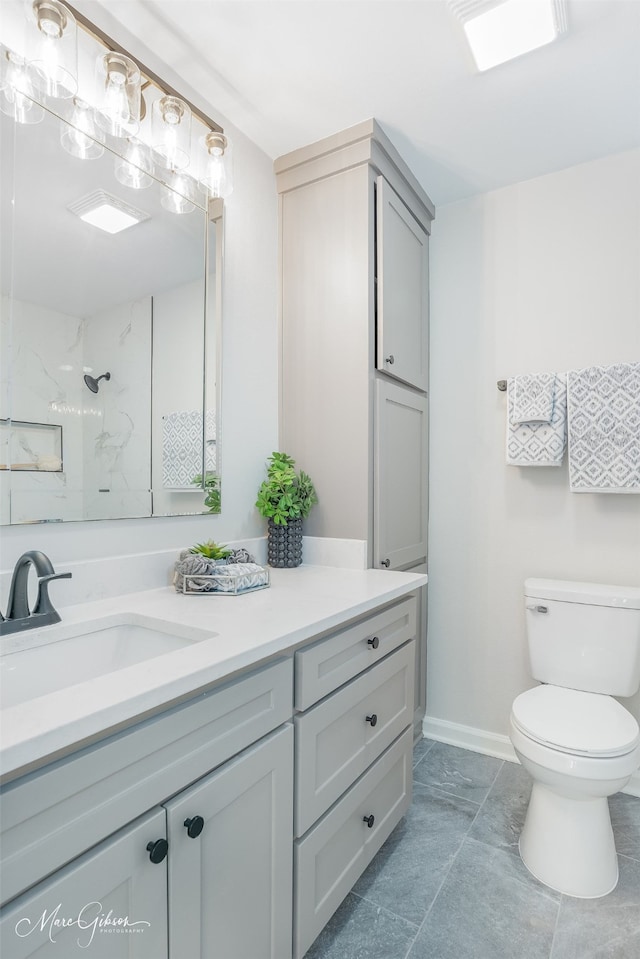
(572, 721)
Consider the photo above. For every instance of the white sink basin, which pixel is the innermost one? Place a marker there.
(44, 661)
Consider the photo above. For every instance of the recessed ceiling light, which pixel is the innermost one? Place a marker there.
(107, 212)
(500, 30)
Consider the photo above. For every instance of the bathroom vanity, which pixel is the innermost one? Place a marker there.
(221, 799)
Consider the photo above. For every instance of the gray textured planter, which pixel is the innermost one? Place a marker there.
(284, 544)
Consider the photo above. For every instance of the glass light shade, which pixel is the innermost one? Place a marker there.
(52, 48)
(16, 90)
(134, 167)
(118, 91)
(179, 193)
(171, 132)
(217, 179)
(79, 136)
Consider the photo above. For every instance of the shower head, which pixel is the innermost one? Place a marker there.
(93, 383)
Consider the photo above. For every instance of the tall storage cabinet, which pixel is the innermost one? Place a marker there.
(354, 273)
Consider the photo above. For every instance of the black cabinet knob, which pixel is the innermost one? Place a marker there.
(374, 642)
(157, 850)
(373, 719)
(369, 820)
(194, 826)
(385, 562)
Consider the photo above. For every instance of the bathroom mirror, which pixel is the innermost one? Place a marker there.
(109, 342)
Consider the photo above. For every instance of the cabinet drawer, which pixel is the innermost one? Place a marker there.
(334, 661)
(53, 814)
(341, 736)
(338, 849)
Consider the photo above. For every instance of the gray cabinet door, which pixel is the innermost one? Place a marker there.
(402, 290)
(400, 479)
(110, 903)
(230, 887)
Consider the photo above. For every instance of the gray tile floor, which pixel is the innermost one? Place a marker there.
(449, 882)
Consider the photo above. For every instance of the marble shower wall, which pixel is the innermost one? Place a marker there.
(117, 419)
(41, 374)
(106, 436)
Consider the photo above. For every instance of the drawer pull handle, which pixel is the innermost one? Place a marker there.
(385, 562)
(369, 820)
(374, 642)
(390, 359)
(157, 850)
(373, 719)
(194, 826)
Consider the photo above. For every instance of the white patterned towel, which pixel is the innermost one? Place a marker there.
(604, 429)
(533, 398)
(182, 447)
(538, 444)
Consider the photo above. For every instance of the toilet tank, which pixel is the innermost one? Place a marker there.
(584, 635)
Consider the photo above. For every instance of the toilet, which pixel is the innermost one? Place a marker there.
(578, 743)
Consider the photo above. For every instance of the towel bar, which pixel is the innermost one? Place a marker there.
(502, 386)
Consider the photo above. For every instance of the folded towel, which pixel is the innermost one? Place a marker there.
(195, 574)
(533, 398)
(538, 444)
(182, 447)
(604, 429)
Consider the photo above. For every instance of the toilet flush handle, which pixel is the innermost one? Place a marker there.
(539, 609)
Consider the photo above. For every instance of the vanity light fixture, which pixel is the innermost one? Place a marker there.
(119, 89)
(217, 180)
(171, 132)
(500, 30)
(44, 65)
(107, 212)
(53, 48)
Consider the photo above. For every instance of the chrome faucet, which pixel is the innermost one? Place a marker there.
(19, 616)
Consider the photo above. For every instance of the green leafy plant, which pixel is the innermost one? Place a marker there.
(212, 499)
(285, 494)
(211, 550)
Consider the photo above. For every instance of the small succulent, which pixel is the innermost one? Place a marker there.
(211, 550)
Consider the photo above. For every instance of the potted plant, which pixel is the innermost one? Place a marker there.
(285, 499)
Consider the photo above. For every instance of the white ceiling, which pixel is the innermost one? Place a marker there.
(288, 72)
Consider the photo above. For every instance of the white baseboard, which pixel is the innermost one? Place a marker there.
(490, 744)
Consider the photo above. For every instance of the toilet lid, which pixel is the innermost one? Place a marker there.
(588, 724)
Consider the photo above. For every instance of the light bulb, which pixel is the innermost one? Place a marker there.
(79, 136)
(216, 180)
(171, 132)
(176, 195)
(16, 97)
(134, 167)
(54, 59)
(118, 82)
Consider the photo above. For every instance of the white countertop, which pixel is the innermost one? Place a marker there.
(300, 604)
